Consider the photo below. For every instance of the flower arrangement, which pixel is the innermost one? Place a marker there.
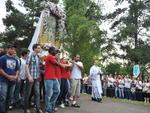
(57, 11)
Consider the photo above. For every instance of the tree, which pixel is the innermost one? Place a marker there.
(83, 33)
(113, 68)
(131, 25)
(126, 70)
(19, 26)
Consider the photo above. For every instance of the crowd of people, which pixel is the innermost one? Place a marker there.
(29, 79)
(123, 87)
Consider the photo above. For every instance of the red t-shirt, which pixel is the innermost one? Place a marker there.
(65, 72)
(58, 72)
(50, 66)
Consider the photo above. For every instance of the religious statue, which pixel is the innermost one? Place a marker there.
(51, 25)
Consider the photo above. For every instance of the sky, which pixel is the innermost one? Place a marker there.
(3, 11)
(2, 14)
(108, 7)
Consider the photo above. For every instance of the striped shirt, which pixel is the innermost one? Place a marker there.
(34, 65)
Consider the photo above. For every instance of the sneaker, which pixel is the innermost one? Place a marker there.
(27, 111)
(39, 111)
(10, 107)
(71, 98)
(32, 104)
(67, 103)
(55, 109)
(75, 105)
(62, 105)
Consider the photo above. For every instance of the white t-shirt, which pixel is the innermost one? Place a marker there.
(121, 83)
(23, 72)
(146, 87)
(76, 71)
(139, 85)
(111, 81)
(127, 83)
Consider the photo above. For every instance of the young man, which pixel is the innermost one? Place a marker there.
(33, 75)
(76, 72)
(22, 76)
(64, 88)
(9, 70)
(52, 86)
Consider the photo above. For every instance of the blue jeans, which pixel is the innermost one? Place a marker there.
(52, 90)
(121, 92)
(116, 92)
(6, 95)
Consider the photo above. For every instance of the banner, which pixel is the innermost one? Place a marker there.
(136, 70)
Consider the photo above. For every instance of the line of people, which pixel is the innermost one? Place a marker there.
(125, 87)
(22, 78)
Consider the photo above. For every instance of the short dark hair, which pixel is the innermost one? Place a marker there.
(52, 50)
(35, 46)
(10, 46)
(24, 52)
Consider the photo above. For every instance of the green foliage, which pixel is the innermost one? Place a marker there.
(132, 24)
(83, 33)
(126, 70)
(19, 26)
(140, 54)
(113, 68)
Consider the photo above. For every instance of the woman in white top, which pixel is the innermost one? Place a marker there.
(139, 86)
(111, 88)
(121, 87)
(95, 73)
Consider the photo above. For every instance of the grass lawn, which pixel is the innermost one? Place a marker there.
(129, 101)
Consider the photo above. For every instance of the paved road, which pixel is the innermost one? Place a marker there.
(107, 106)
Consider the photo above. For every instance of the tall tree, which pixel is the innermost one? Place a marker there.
(20, 26)
(132, 27)
(83, 33)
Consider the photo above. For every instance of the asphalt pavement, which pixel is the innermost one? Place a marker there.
(106, 106)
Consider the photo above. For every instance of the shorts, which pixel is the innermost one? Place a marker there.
(75, 87)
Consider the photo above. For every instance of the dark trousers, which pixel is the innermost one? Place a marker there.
(64, 89)
(42, 88)
(110, 91)
(139, 95)
(19, 93)
(28, 88)
(127, 93)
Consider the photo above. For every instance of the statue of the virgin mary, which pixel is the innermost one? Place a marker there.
(51, 25)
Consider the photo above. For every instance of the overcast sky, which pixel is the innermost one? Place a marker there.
(2, 14)
(3, 11)
(108, 7)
